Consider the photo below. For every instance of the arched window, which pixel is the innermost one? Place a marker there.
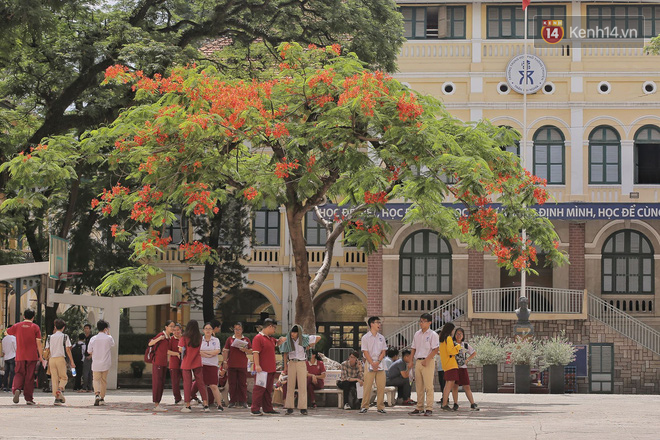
(627, 263)
(647, 155)
(425, 264)
(604, 156)
(549, 155)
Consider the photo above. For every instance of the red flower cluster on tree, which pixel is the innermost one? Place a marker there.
(283, 168)
(250, 193)
(195, 249)
(408, 107)
(199, 195)
(156, 241)
(375, 198)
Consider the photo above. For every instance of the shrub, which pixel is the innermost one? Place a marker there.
(558, 350)
(524, 351)
(490, 350)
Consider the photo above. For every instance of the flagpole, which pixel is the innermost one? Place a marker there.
(523, 156)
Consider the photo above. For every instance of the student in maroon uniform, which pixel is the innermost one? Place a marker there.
(159, 366)
(315, 376)
(174, 359)
(28, 353)
(235, 362)
(263, 348)
(191, 362)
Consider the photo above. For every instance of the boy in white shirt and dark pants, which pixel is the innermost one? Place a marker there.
(60, 347)
(423, 350)
(100, 347)
(374, 348)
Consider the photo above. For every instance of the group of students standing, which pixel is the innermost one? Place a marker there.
(193, 357)
(416, 364)
(30, 352)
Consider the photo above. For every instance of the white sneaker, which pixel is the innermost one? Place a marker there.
(347, 406)
(186, 409)
(159, 408)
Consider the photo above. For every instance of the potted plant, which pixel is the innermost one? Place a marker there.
(490, 352)
(524, 352)
(138, 367)
(557, 352)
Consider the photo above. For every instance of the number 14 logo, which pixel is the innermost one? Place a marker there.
(552, 31)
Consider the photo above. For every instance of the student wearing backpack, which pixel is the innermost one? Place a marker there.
(59, 345)
(78, 353)
(159, 366)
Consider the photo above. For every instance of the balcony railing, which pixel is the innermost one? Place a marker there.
(631, 304)
(436, 49)
(508, 49)
(625, 324)
(541, 300)
(449, 311)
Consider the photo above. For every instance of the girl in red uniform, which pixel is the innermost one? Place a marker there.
(315, 376)
(191, 362)
(175, 363)
(159, 366)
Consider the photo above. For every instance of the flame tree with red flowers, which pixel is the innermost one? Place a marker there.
(321, 127)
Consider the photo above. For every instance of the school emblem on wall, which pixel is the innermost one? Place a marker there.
(536, 74)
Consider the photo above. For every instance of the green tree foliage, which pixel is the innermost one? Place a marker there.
(323, 127)
(53, 54)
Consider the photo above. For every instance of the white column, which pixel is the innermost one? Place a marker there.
(576, 46)
(627, 166)
(476, 114)
(476, 32)
(577, 152)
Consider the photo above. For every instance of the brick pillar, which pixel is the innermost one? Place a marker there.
(475, 275)
(375, 283)
(576, 232)
(475, 269)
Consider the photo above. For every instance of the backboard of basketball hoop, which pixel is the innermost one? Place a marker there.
(176, 291)
(58, 256)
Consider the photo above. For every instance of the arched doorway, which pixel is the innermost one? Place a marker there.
(247, 306)
(340, 316)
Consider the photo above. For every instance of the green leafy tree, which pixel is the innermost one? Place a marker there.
(53, 54)
(323, 128)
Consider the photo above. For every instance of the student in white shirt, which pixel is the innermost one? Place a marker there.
(462, 358)
(100, 348)
(423, 350)
(209, 351)
(60, 347)
(9, 353)
(374, 348)
(295, 367)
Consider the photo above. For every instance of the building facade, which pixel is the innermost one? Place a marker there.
(592, 130)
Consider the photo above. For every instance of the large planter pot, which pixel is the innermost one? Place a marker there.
(490, 379)
(556, 381)
(523, 380)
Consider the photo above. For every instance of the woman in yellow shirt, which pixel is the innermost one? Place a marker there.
(448, 352)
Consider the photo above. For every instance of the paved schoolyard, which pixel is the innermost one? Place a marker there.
(127, 415)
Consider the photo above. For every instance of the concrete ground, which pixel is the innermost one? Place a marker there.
(128, 415)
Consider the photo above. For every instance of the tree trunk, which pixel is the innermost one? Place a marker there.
(209, 271)
(304, 305)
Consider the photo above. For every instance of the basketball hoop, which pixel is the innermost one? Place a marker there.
(63, 276)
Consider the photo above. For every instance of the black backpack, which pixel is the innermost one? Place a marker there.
(76, 352)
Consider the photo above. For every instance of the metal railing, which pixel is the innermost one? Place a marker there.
(625, 324)
(541, 300)
(447, 312)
